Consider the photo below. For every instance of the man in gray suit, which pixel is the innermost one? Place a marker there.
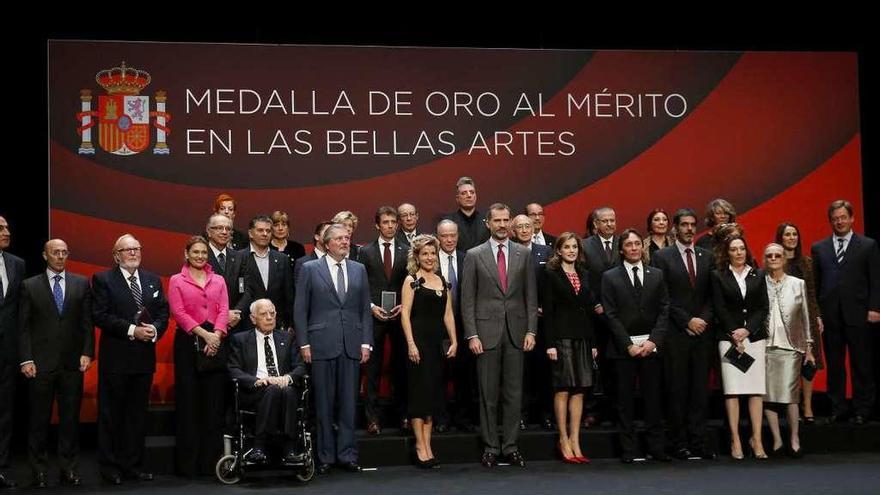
(334, 332)
(499, 308)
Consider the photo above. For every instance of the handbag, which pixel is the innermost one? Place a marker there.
(741, 360)
(204, 362)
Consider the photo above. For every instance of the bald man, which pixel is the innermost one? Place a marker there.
(57, 344)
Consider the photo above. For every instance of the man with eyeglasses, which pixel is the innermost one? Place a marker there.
(131, 310)
(408, 217)
(228, 263)
(535, 213)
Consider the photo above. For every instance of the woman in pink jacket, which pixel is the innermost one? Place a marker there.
(200, 306)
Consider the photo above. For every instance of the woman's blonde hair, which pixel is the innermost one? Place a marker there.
(418, 243)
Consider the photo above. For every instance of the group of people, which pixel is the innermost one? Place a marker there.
(490, 302)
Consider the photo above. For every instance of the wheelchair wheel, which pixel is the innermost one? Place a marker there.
(228, 470)
(307, 472)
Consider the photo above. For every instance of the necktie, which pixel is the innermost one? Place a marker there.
(608, 252)
(2, 286)
(221, 261)
(340, 282)
(270, 357)
(502, 268)
(58, 293)
(840, 250)
(136, 291)
(386, 260)
(636, 282)
(453, 278)
(692, 273)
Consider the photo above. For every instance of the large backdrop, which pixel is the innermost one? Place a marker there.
(143, 136)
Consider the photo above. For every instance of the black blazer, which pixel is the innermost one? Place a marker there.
(567, 315)
(851, 287)
(594, 250)
(293, 250)
(629, 313)
(370, 256)
(236, 284)
(550, 239)
(113, 310)
(9, 309)
(400, 237)
(239, 240)
(242, 361)
(733, 311)
(686, 302)
(51, 340)
(540, 256)
(443, 259)
(279, 290)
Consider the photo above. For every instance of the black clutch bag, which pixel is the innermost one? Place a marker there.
(204, 362)
(742, 360)
(808, 371)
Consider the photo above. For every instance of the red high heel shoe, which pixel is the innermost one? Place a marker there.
(582, 459)
(565, 459)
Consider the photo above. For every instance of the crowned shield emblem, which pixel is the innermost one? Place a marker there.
(124, 124)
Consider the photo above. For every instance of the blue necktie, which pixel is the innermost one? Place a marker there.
(58, 293)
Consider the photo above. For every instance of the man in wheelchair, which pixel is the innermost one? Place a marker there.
(268, 368)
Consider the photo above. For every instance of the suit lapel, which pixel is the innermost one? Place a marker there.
(250, 352)
(489, 263)
(731, 281)
(324, 273)
(281, 353)
(850, 249)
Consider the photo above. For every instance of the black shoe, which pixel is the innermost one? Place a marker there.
(139, 476)
(292, 457)
(522, 425)
(488, 460)
(441, 428)
(434, 462)
(659, 456)
(706, 455)
(427, 464)
(373, 429)
(858, 420)
(256, 456)
(40, 480)
(516, 459)
(351, 467)
(838, 417)
(70, 478)
(112, 478)
(683, 454)
(809, 420)
(322, 468)
(794, 454)
(627, 459)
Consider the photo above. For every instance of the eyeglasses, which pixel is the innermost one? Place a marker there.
(131, 250)
(221, 228)
(522, 227)
(772, 256)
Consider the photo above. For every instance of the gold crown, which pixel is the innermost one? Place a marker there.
(123, 80)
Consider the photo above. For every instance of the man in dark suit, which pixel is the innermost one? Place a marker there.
(847, 267)
(316, 253)
(687, 270)
(12, 271)
(462, 369)
(408, 216)
(536, 366)
(636, 304)
(229, 264)
(267, 272)
(266, 364)
(471, 231)
(129, 307)
(535, 212)
(57, 345)
(335, 334)
(499, 308)
(385, 261)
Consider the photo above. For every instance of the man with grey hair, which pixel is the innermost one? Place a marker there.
(470, 223)
(408, 217)
(335, 334)
(229, 264)
(132, 313)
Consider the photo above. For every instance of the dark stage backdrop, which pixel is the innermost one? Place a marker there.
(317, 129)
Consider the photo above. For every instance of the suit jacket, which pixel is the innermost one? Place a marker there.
(733, 311)
(400, 236)
(326, 324)
(540, 257)
(113, 311)
(233, 273)
(51, 340)
(239, 240)
(686, 302)
(483, 303)
(851, 287)
(243, 357)
(633, 313)
(15, 270)
(279, 288)
(594, 250)
(567, 315)
(550, 239)
(370, 256)
(297, 267)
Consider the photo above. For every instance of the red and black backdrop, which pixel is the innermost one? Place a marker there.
(312, 130)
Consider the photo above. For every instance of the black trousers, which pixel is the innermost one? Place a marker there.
(858, 340)
(199, 404)
(393, 331)
(687, 360)
(66, 387)
(276, 411)
(122, 410)
(8, 372)
(649, 373)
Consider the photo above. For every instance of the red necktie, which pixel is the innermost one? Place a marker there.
(502, 268)
(386, 260)
(692, 274)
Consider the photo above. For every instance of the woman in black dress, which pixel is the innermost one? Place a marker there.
(426, 316)
(567, 307)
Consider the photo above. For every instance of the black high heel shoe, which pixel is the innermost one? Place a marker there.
(755, 455)
(794, 454)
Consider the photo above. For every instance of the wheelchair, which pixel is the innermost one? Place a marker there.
(232, 466)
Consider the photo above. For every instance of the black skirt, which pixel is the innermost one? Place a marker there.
(573, 367)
